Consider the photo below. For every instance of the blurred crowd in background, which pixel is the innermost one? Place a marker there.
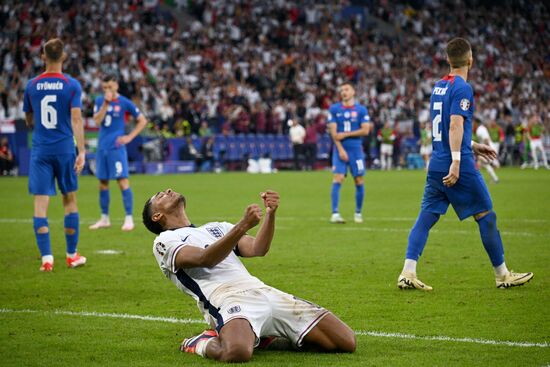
(200, 68)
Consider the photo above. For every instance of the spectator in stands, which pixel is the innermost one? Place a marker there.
(188, 152)
(310, 145)
(6, 157)
(285, 61)
(205, 160)
(297, 134)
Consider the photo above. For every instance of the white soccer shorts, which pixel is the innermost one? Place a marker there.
(269, 311)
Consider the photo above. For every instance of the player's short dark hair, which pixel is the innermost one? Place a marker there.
(53, 49)
(458, 52)
(347, 82)
(109, 78)
(148, 221)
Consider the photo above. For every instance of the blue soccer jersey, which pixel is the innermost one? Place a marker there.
(50, 97)
(347, 119)
(451, 96)
(112, 125)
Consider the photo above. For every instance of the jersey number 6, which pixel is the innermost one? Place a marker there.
(48, 114)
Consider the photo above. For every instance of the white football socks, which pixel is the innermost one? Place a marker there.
(410, 266)
(200, 349)
(47, 259)
(501, 270)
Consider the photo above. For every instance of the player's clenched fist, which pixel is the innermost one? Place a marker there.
(271, 200)
(252, 215)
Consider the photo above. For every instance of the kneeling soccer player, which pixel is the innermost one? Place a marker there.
(241, 310)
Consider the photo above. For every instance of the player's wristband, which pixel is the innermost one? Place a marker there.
(456, 156)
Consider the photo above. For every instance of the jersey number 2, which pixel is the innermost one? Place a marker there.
(436, 131)
(48, 114)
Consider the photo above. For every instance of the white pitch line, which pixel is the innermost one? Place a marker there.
(359, 332)
(110, 315)
(450, 339)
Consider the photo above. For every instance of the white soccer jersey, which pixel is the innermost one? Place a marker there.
(201, 283)
(483, 135)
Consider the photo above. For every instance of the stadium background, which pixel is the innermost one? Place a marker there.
(239, 70)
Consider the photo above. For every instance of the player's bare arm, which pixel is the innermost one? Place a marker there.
(456, 132)
(250, 246)
(29, 119)
(341, 151)
(484, 151)
(100, 115)
(363, 131)
(125, 139)
(78, 131)
(193, 257)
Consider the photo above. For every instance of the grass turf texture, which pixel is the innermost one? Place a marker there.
(351, 269)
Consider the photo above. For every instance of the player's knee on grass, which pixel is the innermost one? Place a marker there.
(332, 335)
(236, 352)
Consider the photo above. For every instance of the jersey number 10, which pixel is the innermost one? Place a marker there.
(48, 114)
(436, 130)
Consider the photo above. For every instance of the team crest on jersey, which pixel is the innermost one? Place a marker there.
(465, 104)
(117, 108)
(160, 248)
(234, 309)
(215, 231)
(353, 113)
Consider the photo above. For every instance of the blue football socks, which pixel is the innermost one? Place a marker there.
(104, 199)
(128, 200)
(419, 234)
(359, 195)
(490, 236)
(335, 196)
(42, 239)
(71, 226)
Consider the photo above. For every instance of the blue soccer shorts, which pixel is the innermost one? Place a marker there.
(112, 164)
(356, 162)
(469, 196)
(45, 169)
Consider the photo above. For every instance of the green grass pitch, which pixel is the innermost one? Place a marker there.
(350, 269)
